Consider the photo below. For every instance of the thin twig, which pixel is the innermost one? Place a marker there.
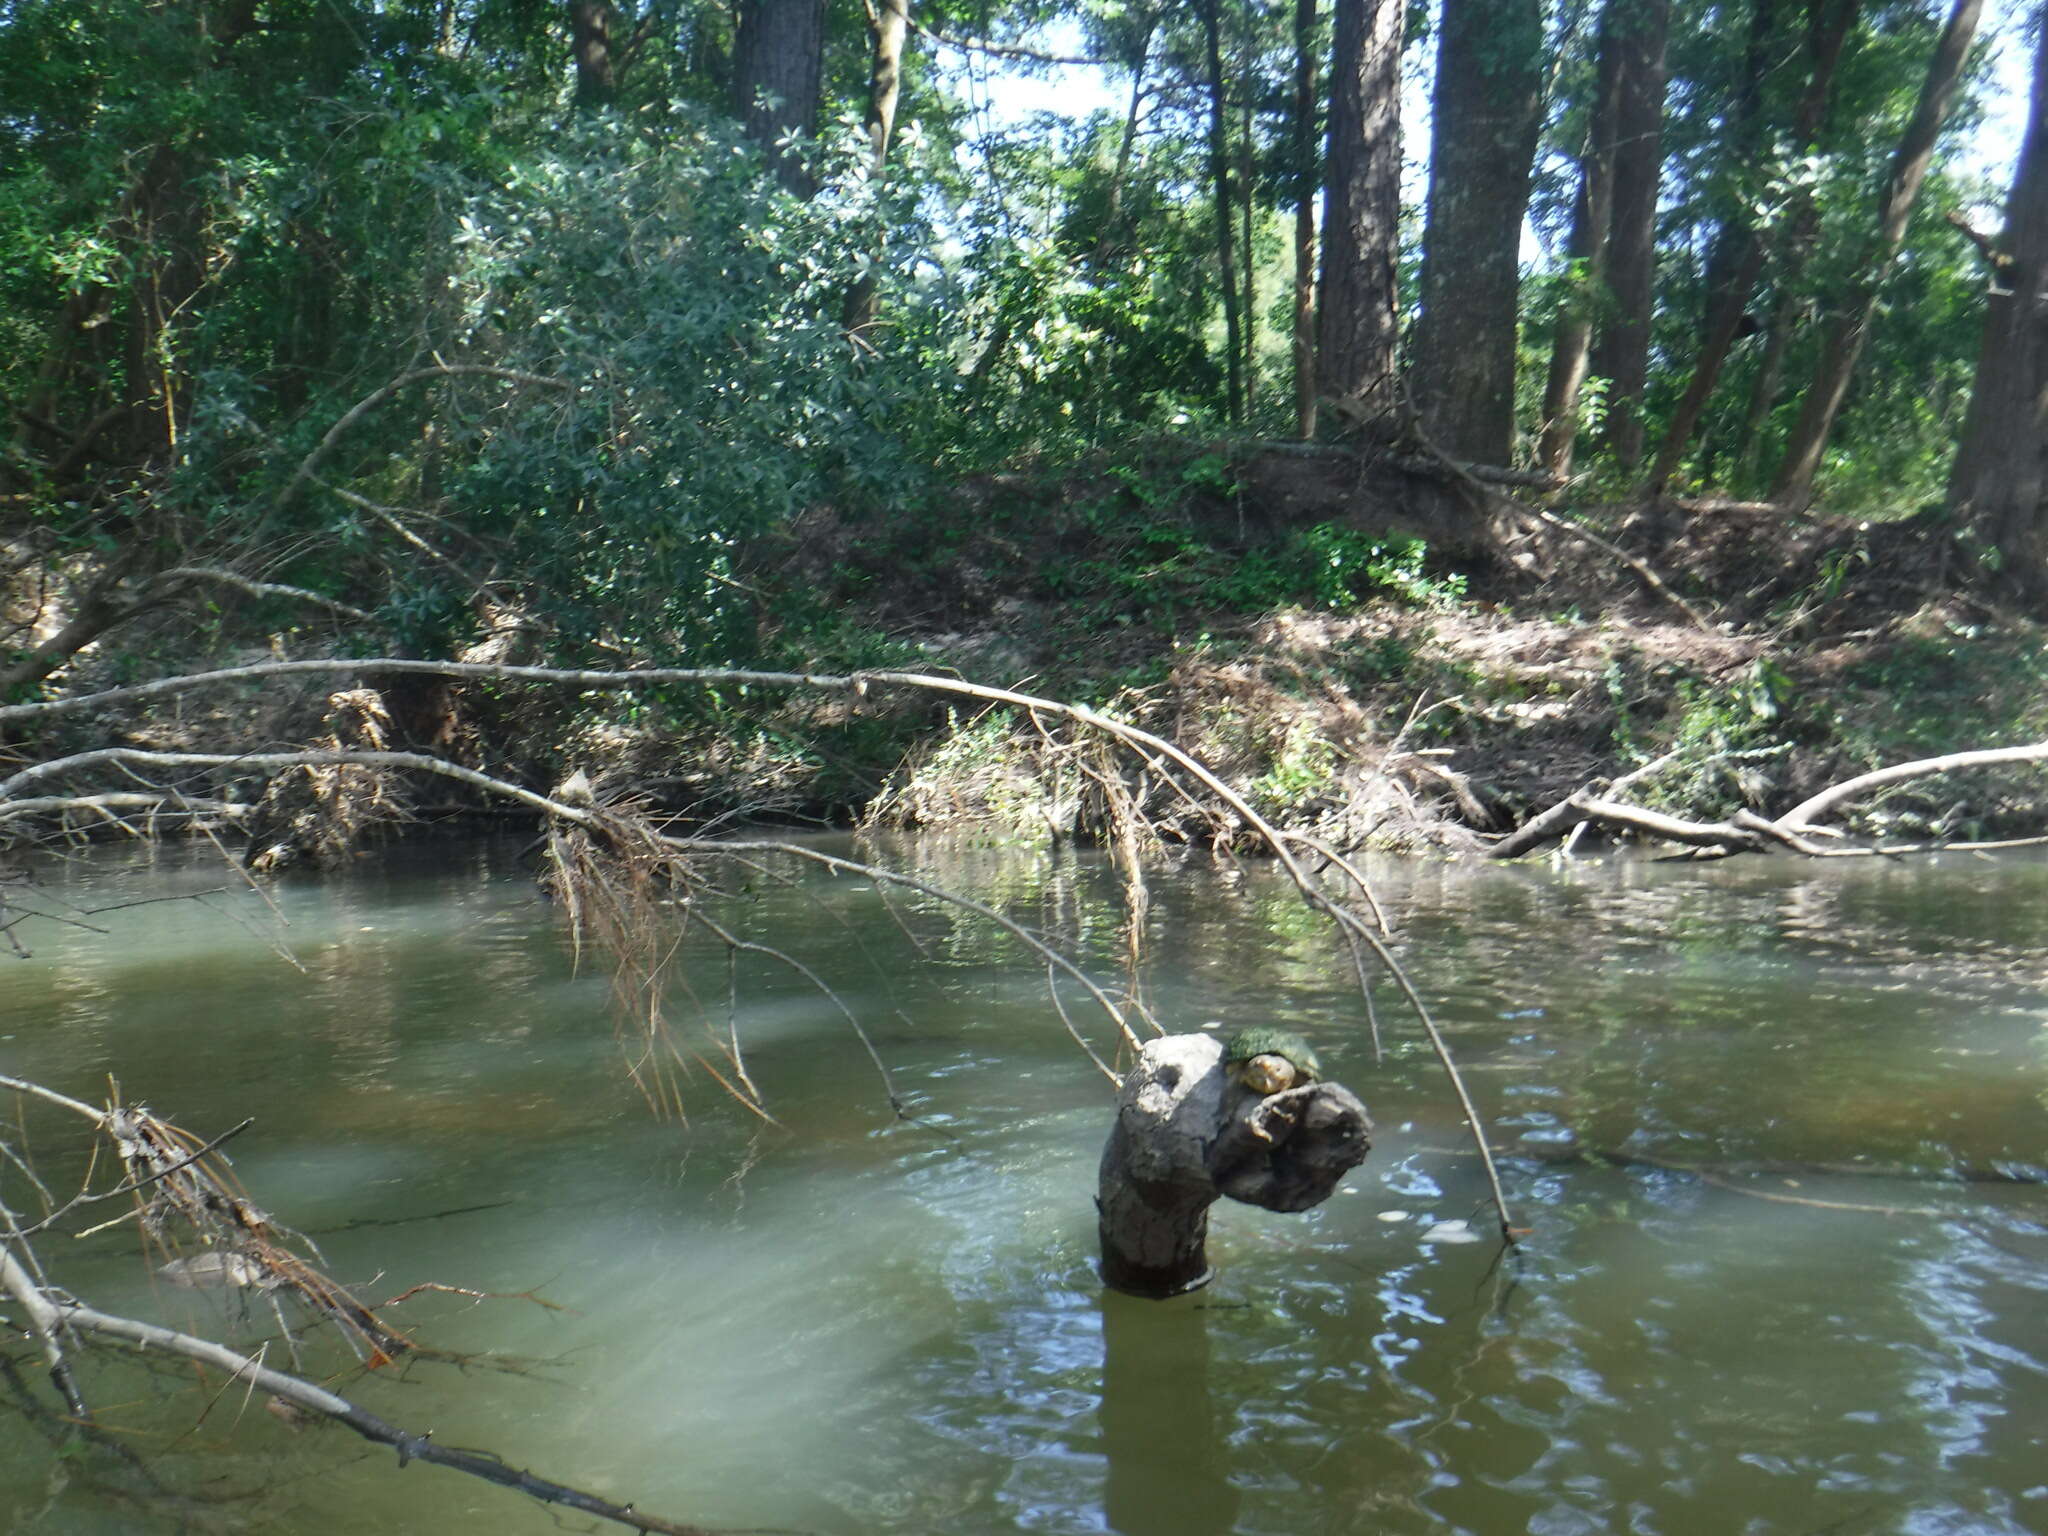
(737, 944)
(1046, 952)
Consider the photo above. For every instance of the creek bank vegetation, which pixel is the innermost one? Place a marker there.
(415, 413)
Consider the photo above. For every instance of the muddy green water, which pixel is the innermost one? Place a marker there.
(849, 1325)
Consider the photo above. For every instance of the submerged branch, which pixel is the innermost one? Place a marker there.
(51, 1317)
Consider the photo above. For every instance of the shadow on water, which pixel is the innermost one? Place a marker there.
(1162, 1435)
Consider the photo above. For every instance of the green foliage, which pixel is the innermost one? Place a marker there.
(695, 311)
(680, 381)
(1143, 565)
(223, 229)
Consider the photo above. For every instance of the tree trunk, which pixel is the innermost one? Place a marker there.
(1248, 244)
(1996, 488)
(1185, 1135)
(1126, 146)
(1850, 328)
(1488, 107)
(1304, 219)
(1621, 354)
(1357, 330)
(1764, 388)
(1219, 187)
(1247, 205)
(885, 88)
(161, 223)
(1829, 23)
(778, 62)
(101, 607)
(1592, 213)
(590, 43)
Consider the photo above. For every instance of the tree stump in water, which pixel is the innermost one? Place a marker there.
(1185, 1134)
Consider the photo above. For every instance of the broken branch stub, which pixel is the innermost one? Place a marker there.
(1186, 1134)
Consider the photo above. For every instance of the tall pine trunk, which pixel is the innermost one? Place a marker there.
(1621, 349)
(778, 63)
(1304, 219)
(2000, 477)
(1357, 330)
(1850, 327)
(1488, 106)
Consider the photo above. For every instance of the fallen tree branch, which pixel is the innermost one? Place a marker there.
(1149, 747)
(1804, 813)
(138, 757)
(1052, 957)
(187, 573)
(1483, 481)
(1542, 828)
(189, 1185)
(1643, 569)
(1745, 831)
(384, 392)
(1485, 474)
(51, 1317)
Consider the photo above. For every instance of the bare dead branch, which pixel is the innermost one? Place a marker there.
(418, 762)
(1804, 813)
(378, 396)
(1999, 261)
(739, 945)
(137, 1185)
(189, 573)
(1150, 747)
(621, 681)
(189, 1185)
(50, 1317)
(1007, 50)
(1747, 831)
(1023, 935)
(1644, 571)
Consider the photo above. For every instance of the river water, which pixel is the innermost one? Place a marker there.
(1758, 1299)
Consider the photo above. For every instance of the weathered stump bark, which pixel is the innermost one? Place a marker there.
(1186, 1134)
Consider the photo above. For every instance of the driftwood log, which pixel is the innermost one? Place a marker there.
(1747, 832)
(1185, 1134)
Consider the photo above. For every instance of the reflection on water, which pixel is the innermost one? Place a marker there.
(850, 1324)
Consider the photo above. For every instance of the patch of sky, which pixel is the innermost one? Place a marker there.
(1016, 95)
